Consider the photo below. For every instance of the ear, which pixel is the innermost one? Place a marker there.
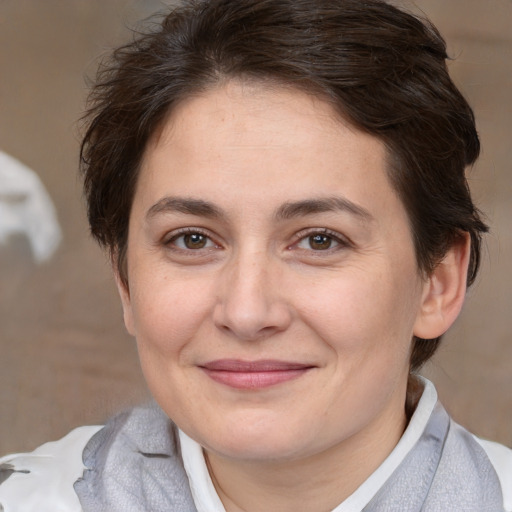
(444, 292)
(124, 294)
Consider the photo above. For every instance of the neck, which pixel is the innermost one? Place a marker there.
(315, 483)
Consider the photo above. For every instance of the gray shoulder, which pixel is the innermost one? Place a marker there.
(501, 459)
(42, 480)
(134, 463)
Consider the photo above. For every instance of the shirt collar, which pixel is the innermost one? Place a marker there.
(206, 498)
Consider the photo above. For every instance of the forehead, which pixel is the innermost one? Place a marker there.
(248, 113)
(247, 141)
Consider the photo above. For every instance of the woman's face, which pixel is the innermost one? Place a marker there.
(273, 286)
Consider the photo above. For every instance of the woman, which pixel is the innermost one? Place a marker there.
(281, 188)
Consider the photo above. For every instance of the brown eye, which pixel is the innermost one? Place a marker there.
(320, 242)
(195, 241)
(191, 241)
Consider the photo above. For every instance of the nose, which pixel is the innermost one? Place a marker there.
(251, 303)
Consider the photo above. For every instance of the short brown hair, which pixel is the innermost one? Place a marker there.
(382, 68)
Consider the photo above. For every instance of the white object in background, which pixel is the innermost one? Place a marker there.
(26, 208)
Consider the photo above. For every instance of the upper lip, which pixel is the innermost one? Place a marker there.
(263, 365)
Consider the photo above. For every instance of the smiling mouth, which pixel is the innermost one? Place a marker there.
(254, 374)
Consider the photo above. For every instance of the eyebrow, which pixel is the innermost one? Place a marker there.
(185, 205)
(322, 205)
(288, 210)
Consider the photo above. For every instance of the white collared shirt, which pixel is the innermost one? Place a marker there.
(206, 498)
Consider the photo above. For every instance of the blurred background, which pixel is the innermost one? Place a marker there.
(65, 358)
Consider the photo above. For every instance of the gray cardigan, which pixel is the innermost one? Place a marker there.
(135, 466)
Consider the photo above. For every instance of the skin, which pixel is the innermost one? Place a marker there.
(263, 227)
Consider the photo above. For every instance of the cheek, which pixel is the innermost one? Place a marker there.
(167, 313)
(168, 316)
(368, 315)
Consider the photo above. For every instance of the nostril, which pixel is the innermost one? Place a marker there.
(256, 326)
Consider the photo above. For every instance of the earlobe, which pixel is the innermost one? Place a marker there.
(124, 293)
(444, 292)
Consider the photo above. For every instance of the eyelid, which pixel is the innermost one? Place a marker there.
(342, 240)
(189, 230)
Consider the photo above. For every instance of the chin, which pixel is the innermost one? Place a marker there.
(257, 440)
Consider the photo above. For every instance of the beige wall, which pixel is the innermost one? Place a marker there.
(65, 358)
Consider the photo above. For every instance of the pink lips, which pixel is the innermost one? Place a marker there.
(253, 374)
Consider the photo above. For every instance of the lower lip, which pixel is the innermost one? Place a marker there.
(254, 380)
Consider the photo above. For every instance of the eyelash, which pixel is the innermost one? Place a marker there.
(170, 240)
(302, 236)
